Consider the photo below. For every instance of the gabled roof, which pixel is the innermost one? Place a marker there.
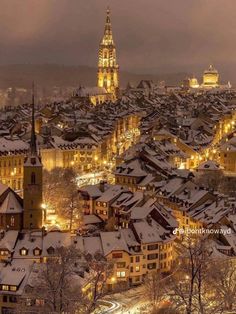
(11, 205)
(9, 240)
(113, 241)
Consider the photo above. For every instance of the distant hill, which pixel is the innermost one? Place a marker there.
(48, 75)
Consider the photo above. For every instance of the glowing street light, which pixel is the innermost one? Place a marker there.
(44, 206)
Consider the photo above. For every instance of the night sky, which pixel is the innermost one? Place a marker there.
(150, 35)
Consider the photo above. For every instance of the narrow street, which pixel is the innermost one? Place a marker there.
(129, 302)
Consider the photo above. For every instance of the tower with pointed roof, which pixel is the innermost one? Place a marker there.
(33, 182)
(108, 69)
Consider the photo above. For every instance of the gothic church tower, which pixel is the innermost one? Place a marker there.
(33, 183)
(108, 69)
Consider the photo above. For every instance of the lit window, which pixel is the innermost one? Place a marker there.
(5, 287)
(23, 252)
(4, 252)
(13, 288)
(117, 255)
(39, 302)
(120, 274)
(121, 265)
(137, 268)
(12, 222)
(37, 252)
(29, 302)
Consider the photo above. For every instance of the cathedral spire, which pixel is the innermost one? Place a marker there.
(33, 145)
(33, 181)
(108, 68)
(108, 20)
(107, 38)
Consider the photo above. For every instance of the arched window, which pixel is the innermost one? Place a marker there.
(33, 178)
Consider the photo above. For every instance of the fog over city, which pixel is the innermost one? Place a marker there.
(152, 36)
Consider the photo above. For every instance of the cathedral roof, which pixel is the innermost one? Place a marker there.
(211, 70)
(90, 91)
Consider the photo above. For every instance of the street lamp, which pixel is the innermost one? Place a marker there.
(44, 206)
(113, 279)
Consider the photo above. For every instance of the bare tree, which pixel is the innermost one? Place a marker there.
(100, 270)
(186, 286)
(154, 290)
(222, 281)
(55, 287)
(61, 194)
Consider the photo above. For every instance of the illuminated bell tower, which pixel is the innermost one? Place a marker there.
(108, 69)
(33, 183)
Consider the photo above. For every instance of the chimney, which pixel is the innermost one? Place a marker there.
(189, 194)
(102, 186)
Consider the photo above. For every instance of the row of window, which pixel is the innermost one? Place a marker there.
(165, 246)
(11, 299)
(137, 259)
(101, 204)
(8, 288)
(4, 252)
(37, 302)
(12, 220)
(137, 269)
(101, 212)
(125, 180)
(120, 274)
(10, 171)
(165, 264)
(36, 252)
(71, 156)
(165, 255)
(9, 163)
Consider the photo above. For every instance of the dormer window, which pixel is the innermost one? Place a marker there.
(33, 160)
(51, 250)
(13, 288)
(5, 287)
(37, 252)
(23, 252)
(4, 252)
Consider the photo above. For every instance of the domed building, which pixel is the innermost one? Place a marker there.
(193, 82)
(210, 78)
